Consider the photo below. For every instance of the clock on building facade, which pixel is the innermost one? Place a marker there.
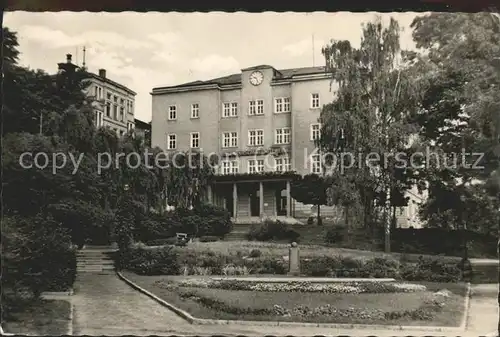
(256, 78)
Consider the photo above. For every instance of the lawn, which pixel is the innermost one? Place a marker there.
(401, 308)
(43, 318)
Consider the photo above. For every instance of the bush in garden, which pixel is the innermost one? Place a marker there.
(209, 239)
(159, 261)
(215, 221)
(431, 270)
(37, 256)
(255, 253)
(272, 230)
(381, 268)
(335, 234)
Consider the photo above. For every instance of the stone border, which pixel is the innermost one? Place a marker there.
(465, 317)
(57, 293)
(202, 321)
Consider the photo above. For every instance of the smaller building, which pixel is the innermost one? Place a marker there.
(143, 130)
(113, 104)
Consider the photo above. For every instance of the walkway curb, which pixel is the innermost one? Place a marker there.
(202, 321)
(178, 311)
(465, 317)
(70, 325)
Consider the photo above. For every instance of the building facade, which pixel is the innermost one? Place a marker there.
(260, 121)
(143, 130)
(114, 103)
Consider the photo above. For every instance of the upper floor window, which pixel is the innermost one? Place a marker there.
(108, 96)
(314, 101)
(282, 136)
(256, 137)
(172, 142)
(172, 112)
(108, 109)
(315, 131)
(122, 101)
(195, 140)
(195, 110)
(122, 114)
(115, 99)
(256, 107)
(283, 164)
(230, 109)
(255, 166)
(230, 167)
(316, 163)
(130, 126)
(230, 139)
(282, 104)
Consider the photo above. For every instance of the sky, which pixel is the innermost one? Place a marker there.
(147, 50)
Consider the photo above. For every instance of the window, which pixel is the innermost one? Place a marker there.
(195, 140)
(314, 101)
(230, 167)
(98, 118)
(230, 109)
(108, 96)
(256, 137)
(96, 94)
(172, 112)
(108, 109)
(256, 107)
(115, 99)
(122, 101)
(315, 163)
(195, 110)
(172, 142)
(255, 166)
(115, 111)
(230, 139)
(122, 114)
(282, 136)
(315, 131)
(130, 126)
(282, 104)
(131, 106)
(283, 164)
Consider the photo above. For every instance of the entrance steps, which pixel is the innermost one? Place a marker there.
(94, 259)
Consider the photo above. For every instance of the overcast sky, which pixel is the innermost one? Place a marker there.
(145, 50)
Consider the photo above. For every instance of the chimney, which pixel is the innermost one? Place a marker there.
(68, 58)
(102, 73)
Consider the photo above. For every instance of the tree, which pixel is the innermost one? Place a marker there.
(460, 105)
(370, 113)
(310, 190)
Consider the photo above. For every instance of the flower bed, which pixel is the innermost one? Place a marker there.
(298, 286)
(393, 303)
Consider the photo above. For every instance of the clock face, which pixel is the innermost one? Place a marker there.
(256, 78)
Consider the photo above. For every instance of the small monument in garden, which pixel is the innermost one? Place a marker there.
(294, 260)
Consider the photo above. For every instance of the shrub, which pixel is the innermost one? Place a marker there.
(431, 270)
(37, 256)
(214, 220)
(334, 234)
(209, 239)
(350, 267)
(159, 261)
(272, 230)
(266, 265)
(255, 253)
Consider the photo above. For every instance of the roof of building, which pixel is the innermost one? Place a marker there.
(142, 124)
(236, 78)
(113, 83)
